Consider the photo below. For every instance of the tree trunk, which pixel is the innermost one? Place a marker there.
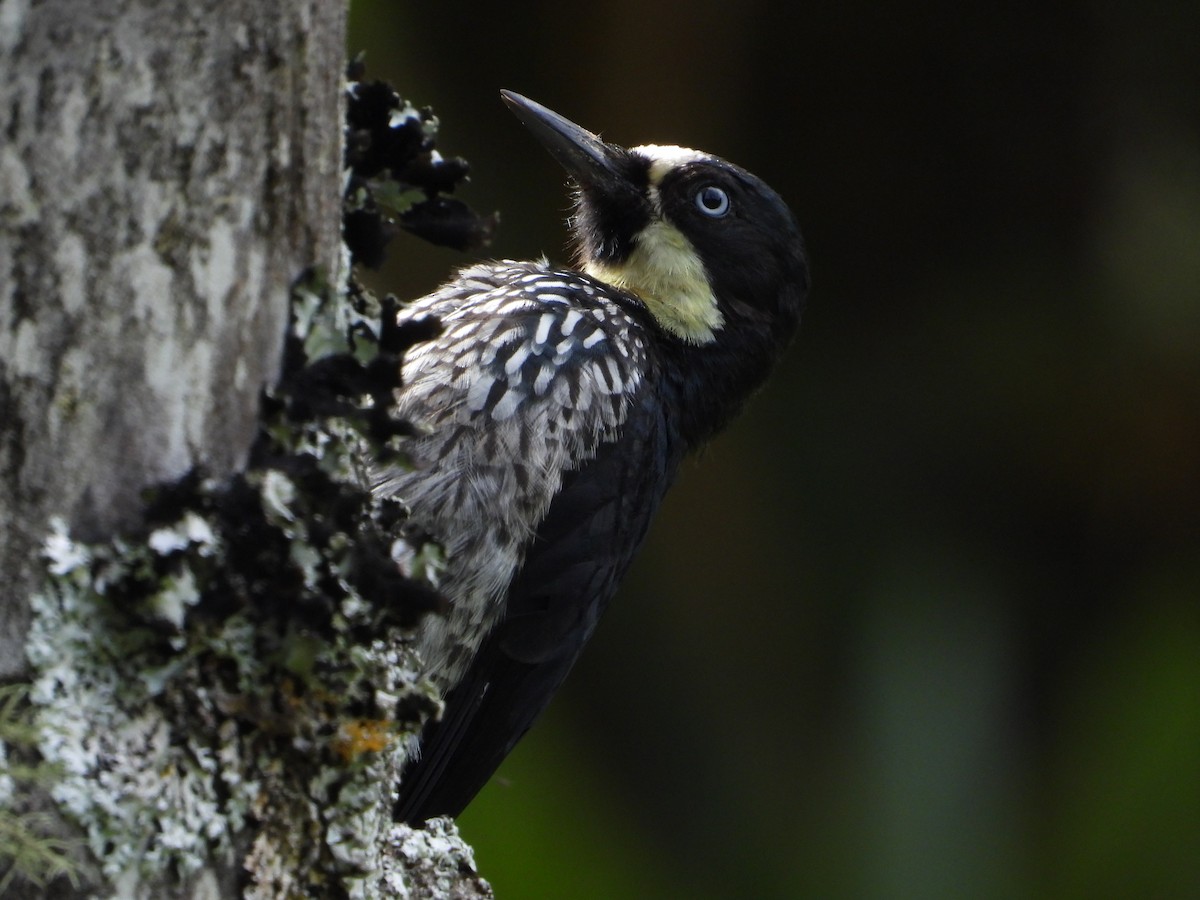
(168, 171)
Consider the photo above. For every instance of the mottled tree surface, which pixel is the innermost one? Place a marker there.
(206, 700)
(166, 172)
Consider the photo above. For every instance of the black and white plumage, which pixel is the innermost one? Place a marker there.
(554, 409)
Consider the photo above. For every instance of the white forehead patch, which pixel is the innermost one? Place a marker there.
(665, 157)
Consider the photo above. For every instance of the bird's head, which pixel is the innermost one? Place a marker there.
(714, 254)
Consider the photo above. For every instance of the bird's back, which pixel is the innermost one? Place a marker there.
(536, 369)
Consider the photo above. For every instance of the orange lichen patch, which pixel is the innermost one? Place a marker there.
(359, 736)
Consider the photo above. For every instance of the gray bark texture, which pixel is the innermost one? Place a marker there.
(170, 185)
(167, 170)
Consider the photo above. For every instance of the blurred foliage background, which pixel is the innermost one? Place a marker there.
(926, 621)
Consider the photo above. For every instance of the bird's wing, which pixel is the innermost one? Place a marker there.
(571, 570)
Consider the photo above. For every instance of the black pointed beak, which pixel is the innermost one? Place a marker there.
(589, 160)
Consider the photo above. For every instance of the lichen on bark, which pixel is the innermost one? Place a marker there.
(227, 687)
(241, 667)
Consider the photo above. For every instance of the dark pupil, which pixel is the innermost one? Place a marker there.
(711, 198)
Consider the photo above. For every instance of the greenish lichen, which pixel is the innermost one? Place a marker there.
(30, 853)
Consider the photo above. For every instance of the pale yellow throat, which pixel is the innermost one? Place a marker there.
(665, 271)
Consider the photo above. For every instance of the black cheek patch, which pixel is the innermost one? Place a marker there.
(609, 216)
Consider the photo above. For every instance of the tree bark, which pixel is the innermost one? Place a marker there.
(195, 715)
(167, 170)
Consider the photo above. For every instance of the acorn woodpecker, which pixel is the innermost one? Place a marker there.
(553, 411)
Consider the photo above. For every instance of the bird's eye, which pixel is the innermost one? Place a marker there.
(712, 201)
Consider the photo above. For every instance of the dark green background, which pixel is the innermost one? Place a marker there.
(926, 622)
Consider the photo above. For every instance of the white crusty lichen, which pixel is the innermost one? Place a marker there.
(148, 796)
(168, 747)
(430, 863)
(232, 680)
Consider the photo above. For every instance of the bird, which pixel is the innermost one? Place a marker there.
(552, 413)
